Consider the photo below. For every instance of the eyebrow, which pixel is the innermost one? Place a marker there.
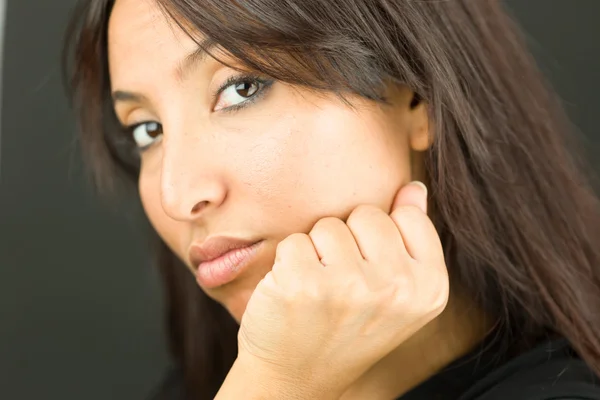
(194, 58)
(127, 97)
(183, 67)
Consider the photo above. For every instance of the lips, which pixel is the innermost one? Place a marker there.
(215, 248)
(219, 260)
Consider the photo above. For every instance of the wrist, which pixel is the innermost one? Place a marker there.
(253, 379)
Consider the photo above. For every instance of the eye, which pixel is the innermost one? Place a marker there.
(238, 92)
(145, 133)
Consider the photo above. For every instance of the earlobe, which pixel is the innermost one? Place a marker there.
(421, 138)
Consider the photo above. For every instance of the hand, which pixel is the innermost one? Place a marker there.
(342, 297)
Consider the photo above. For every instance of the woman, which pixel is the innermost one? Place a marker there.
(280, 149)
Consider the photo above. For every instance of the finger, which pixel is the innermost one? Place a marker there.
(413, 194)
(335, 243)
(379, 242)
(419, 235)
(295, 257)
(296, 250)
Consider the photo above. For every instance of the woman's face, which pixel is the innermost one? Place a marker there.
(258, 161)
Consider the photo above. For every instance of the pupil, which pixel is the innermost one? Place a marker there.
(246, 89)
(153, 129)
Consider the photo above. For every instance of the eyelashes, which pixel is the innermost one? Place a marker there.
(235, 94)
(249, 87)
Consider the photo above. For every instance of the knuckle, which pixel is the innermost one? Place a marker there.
(292, 241)
(403, 291)
(441, 295)
(362, 213)
(434, 298)
(356, 296)
(440, 305)
(326, 226)
(297, 239)
(290, 244)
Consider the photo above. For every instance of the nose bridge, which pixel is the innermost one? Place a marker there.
(191, 182)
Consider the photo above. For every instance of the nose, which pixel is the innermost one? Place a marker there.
(192, 183)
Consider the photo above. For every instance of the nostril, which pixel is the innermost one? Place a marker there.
(199, 207)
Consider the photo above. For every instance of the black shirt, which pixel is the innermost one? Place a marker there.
(550, 371)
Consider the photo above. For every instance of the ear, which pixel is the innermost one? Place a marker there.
(420, 137)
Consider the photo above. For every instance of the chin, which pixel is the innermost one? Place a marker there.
(234, 302)
(235, 295)
(237, 311)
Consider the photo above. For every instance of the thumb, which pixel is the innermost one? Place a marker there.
(413, 194)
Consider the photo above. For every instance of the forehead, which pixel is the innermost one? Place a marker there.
(142, 38)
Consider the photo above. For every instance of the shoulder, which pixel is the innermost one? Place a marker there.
(551, 371)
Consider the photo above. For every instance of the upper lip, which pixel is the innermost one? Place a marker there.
(215, 247)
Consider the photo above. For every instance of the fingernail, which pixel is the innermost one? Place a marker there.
(421, 185)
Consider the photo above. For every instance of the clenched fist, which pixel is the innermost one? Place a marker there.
(342, 297)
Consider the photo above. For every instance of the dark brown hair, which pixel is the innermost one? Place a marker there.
(519, 220)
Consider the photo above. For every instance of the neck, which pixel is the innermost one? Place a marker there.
(453, 334)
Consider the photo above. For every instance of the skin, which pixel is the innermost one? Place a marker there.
(267, 171)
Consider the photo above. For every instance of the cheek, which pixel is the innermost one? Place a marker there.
(325, 162)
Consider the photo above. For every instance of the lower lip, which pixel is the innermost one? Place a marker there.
(222, 270)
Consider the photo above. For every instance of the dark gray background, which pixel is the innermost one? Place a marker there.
(80, 312)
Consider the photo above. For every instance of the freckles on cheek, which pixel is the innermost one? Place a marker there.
(271, 167)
